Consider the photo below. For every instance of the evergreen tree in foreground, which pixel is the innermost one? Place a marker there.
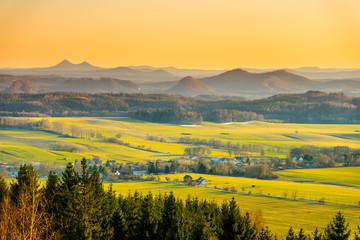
(337, 228)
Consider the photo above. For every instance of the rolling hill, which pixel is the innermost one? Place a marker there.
(23, 86)
(32, 83)
(190, 86)
(275, 81)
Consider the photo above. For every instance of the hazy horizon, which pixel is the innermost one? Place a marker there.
(185, 34)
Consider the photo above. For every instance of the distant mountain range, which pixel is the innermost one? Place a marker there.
(252, 83)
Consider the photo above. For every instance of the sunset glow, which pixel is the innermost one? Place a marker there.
(209, 34)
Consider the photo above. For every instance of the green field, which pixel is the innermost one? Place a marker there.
(29, 146)
(336, 185)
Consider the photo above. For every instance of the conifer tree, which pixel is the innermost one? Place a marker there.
(108, 209)
(357, 234)
(148, 221)
(301, 235)
(50, 190)
(337, 229)
(291, 234)
(316, 235)
(265, 234)
(118, 223)
(27, 180)
(230, 216)
(170, 218)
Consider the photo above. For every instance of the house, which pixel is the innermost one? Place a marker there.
(188, 179)
(200, 181)
(117, 173)
(13, 173)
(140, 172)
(111, 162)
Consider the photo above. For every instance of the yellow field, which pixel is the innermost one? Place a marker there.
(279, 214)
(349, 176)
(31, 146)
(308, 191)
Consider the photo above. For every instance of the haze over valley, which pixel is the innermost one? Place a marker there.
(249, 83)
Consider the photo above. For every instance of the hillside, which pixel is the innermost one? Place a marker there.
(70, 84)
(309, 107)
(92, 85)
(189, 86)
(23, 86)
(241, 80)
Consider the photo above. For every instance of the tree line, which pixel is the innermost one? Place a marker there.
(310, 107)
(76, 206)
(171, 115)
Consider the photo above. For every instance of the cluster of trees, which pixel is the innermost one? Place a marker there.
(12, 122)
(327, 157)
(197, 151)
(310, 107)
(154, 138)
(170, 115)
(225, 168)
(230, 115)
(76, 206)
(231, 147)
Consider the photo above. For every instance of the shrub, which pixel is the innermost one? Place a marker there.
(68, 147)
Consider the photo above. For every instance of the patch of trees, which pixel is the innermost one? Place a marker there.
(326, 157)
(229, 115)
(68, 147)
(197, 151)
(233, 149)
(260, 171)
(154, 138)
(175, 116)
(76, 206)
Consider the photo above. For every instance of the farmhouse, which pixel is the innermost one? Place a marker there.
(200, 181)
(140, 172)
(188, 179)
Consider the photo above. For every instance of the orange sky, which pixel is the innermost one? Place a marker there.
(209, 34)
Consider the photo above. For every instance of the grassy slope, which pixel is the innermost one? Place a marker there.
(279, 214)
(25, 145)
(336, 176)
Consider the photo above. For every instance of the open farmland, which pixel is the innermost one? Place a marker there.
(290, 201)
(349, 176)
(29, 145)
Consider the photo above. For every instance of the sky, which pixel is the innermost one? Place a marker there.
(207, 34)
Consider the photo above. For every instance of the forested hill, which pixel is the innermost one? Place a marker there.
(310, 107)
